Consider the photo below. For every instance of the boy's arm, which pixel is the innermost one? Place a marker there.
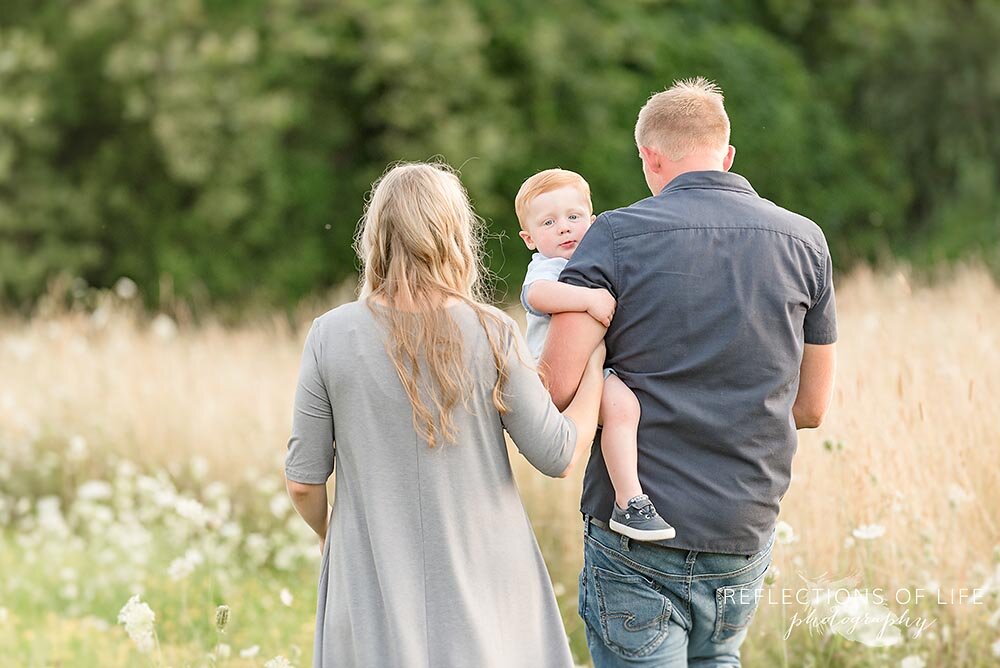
(555, 297)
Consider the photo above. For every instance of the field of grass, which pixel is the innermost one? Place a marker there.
(142, 457)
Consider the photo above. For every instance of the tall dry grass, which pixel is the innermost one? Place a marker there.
(912, 441)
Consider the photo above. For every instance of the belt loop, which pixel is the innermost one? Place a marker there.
(624, 543)
(586, 524)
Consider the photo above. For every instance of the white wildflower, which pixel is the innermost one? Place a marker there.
(4, 615)
(996, 649)
(250, 652)
(95, 623)
(848, 542)
(138, 619)
(126, 288)
(223, 651)
(912, 661)
(257, 548)
(179, 569)
(284, 558)
(286, 597)
(50, 517)
(280, 505)
(278, 662)
(184, 566)
(869, 532)
(215, 490)
(958, 496)
(95, 490)
(994, 619)
(783, 533)
(191, 509)
(77, 449)
(199, 467)
(163, 327)
(194, 557)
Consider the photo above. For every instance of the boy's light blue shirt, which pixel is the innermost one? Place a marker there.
(540, 268)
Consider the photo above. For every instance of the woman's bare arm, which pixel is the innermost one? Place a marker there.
(585, 406)
(311, 504)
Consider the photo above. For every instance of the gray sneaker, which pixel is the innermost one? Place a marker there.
(640, 521)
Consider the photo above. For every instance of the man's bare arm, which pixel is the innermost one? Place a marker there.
(819, 363)
(572, 338)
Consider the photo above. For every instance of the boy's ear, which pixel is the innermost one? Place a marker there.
(592, 218)
(528, 241)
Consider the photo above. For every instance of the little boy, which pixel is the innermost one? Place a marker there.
(555, 210)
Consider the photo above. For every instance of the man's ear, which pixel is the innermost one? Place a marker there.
(528, 241)
(727, 162)
(652, 158)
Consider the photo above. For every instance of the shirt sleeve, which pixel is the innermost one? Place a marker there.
(310, 457)
(541, 433)
(540, 269)
(820, 323)
(593, 262)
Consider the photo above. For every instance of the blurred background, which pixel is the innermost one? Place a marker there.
(179, 186)
(219, 151)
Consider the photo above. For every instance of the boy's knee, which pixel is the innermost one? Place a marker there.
(618, 403)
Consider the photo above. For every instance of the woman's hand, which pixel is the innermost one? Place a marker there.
(597, 358)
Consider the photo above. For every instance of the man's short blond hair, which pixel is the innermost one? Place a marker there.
(687, 116)
(546, 181)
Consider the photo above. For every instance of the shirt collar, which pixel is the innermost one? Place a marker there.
(710, 180)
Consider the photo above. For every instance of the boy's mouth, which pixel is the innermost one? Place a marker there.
(568, 244)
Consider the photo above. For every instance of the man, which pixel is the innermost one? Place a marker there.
(724, 330)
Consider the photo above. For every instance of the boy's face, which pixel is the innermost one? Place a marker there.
(556, 221)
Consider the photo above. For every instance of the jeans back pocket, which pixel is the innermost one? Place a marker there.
(634, 613)
(735, 606)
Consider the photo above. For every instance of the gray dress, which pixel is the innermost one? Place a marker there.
(430, 559)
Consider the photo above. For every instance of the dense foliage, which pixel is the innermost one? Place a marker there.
(227, 145)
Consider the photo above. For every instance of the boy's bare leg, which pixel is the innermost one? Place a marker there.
(620, 418)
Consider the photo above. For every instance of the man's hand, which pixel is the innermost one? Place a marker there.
(601, 306)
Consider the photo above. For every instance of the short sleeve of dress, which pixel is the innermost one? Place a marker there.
(310, 457)
(541, 433)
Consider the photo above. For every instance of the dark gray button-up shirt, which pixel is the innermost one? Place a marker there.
(717, 291)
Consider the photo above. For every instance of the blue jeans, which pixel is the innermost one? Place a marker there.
(647, 605)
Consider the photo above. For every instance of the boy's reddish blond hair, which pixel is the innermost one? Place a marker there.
(546, 181)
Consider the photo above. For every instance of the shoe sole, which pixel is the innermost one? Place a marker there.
(636, 534)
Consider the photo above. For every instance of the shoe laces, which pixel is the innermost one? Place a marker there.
(644, 508)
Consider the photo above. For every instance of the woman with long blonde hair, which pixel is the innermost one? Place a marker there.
(428, 555)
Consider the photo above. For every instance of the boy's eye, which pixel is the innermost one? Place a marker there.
(548, 222)
(573, 216)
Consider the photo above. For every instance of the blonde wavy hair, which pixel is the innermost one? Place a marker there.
(419, 243)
